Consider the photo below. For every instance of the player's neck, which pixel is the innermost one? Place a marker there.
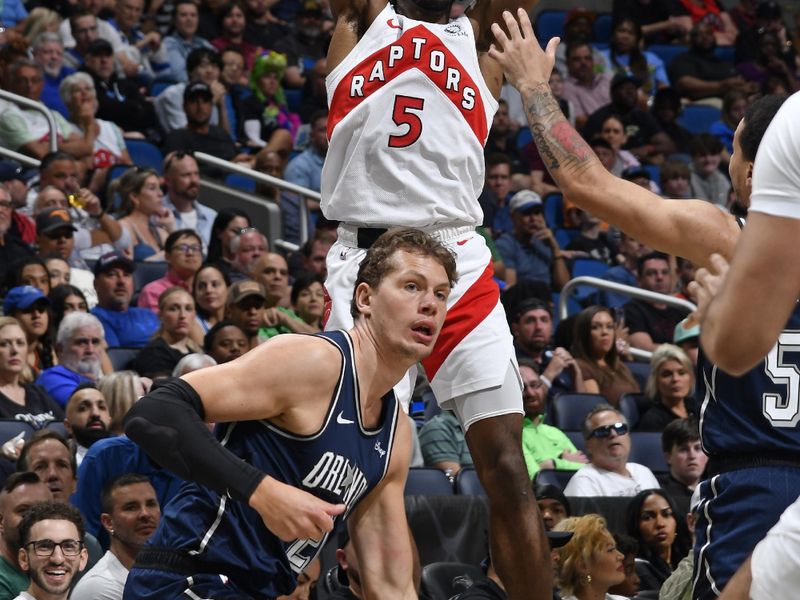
(379, 368)
(409, 9)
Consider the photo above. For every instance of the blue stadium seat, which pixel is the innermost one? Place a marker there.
(467, 483)
(241, 182)
(524, 137)
(571, 409)
(293, 99)
(145, 155)
(59, 428)
(573, 307)
(120, 357)
(655, 173)
(576, 437)
(11, 427)
(698, 117)
(554, 210)
(646, 450)
(667, 52)
(565, 236)
(587, 267)
(640, 371)
(557, 477)
(629, 408)
(549, 24)
(146, 272)
(432, 407)
(602, 28)
(726, 53)
(427, 481)
(159, 86)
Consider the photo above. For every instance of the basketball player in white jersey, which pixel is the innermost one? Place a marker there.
(412, 94)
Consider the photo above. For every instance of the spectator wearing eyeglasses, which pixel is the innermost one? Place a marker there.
(608, 446)
(51, 552)
(79, 346)
(183, 252)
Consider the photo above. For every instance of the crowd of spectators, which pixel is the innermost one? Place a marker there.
(84, 334)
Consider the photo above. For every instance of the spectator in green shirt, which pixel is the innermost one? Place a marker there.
(543, 446)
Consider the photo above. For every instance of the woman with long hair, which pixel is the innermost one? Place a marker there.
(210, 291)
(308, 299)
(21, 399)
(624, 55)
(171, 341)
(31, 270)
(654, 521)
(227, 225)
(121, 390)
(64, 299)
(31, 308)
(146, 218)
(232, 23)
(589, 564)
(596, 346)
(669, 388)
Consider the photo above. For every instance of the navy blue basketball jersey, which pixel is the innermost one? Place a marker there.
(759, 412)
(340, 463)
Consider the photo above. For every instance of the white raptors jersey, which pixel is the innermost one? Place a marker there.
(409, 116)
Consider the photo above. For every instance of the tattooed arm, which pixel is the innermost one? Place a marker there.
(693, 229)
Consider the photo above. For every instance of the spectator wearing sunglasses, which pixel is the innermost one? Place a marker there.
(608, 446)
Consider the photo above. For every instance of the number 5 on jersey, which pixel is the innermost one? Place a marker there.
(403, 114)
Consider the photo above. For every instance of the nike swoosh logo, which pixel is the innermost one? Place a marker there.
(461, 242)
(342, 421)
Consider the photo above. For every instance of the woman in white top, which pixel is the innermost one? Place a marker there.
(589, 563)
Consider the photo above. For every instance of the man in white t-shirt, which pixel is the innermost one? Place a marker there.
(130, 515)
(608, 446)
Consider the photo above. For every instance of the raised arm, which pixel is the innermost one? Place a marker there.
(693, 229)
(379, 529)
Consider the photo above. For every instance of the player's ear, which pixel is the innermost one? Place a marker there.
(749, 177)
(363, 298)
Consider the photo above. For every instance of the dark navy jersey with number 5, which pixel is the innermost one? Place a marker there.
(758, 413)
(340, 463)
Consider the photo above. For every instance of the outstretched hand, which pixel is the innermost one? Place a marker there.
(524, 62)
(291, 513)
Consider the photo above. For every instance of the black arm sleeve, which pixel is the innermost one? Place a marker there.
(168, 425)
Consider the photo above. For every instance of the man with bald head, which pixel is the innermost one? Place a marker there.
(20, 492)
(272, 271)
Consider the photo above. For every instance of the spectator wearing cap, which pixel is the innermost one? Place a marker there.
(79, 346)
(204, 65)
(706, 180)
(699, 75)
(28, 305)
(199, 134)
(687, 338)
(645, 138)
(119, 100)
(27, 130)
(585, 87)
(124, 325)
(48, 51)
(608, 445)
(14, 177)
(55, 237)
(532, 329)
(553, 504)
(638, 175)
(531, 251)
(184, 39)
(12, 246)
(183, 251)
(182, 180)
(245, 307)
(97, 231)
(545, 446)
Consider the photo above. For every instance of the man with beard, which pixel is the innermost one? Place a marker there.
(78, 345)
(87, 419)
(124, 325)
(182, 180)
(52, 550)
(48, 51)
(698, 74)
(130, 515)
(20, 492)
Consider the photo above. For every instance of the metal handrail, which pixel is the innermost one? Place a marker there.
(33, 104)
(26, 160)
(628, 290)
(231, 167)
